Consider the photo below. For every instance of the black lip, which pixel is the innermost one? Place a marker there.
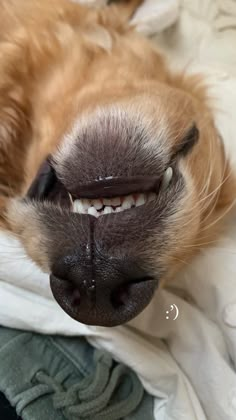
(141, 292)
(117, 186)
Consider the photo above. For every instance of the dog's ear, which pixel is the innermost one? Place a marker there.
(117, 14)
(99, 36)
(125, 8)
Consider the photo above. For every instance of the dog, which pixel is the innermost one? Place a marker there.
(112, 172)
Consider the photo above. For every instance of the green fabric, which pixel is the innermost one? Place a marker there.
(47, 378)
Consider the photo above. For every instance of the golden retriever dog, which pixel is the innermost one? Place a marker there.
(112, 172)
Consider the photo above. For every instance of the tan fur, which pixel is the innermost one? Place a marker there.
(59, 60)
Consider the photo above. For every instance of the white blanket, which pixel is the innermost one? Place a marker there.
(187, 364)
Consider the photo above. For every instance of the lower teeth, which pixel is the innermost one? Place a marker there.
(85, 206)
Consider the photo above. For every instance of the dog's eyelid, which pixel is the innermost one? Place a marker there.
(42, 182)
(187, 142)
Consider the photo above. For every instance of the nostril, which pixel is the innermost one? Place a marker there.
(121, 295)
(73, 293)
(76, 297)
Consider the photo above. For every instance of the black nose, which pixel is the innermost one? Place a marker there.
(110, 293)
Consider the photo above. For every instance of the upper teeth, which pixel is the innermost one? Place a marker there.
(98, 207)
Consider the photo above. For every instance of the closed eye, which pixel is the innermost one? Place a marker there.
(47, 186)
(44, 182)
(187, 143)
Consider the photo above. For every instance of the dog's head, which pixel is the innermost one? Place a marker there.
(126, 184)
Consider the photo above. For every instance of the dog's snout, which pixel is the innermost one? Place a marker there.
(109, 295)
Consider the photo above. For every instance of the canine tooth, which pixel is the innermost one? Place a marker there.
(97, 204)
(107, 201)
(92, 211)
(78, 207)
(86, 203)
(71, 199)
(107, 210)
(116, 201)
(141, 199)
(128, 202)
(167, 177)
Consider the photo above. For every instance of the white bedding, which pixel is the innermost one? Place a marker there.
(187, 364)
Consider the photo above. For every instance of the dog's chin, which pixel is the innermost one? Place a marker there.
(124, 304)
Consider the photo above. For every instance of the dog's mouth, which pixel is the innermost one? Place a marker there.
(102, 196)
(114, 195)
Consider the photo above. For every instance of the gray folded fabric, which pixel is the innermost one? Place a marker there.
(47, 378)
